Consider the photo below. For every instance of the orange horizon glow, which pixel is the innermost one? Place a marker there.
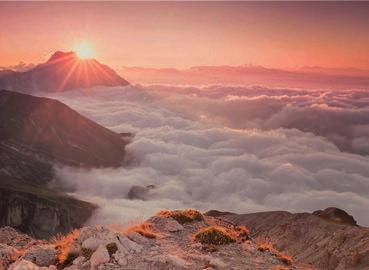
(284, 35)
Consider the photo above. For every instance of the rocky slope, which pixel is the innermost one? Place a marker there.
(36, 132)
(328, 239)
(169, 240)
(35, 135)
(63, 71)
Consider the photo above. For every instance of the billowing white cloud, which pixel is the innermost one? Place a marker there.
(226, 149)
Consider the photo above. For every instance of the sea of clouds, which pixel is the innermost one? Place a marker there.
(239, 149)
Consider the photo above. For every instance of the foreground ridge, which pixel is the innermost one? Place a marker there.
(184, 240)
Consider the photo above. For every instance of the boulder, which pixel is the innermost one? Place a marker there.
(27, 265)
(100, 256)
(166, 224)
(41, 255)
(139, 192)
(168, 261)
(12, 237)
(7, 255)
(92, 243)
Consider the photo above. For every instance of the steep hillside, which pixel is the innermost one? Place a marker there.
(35, 135)
(36, 132)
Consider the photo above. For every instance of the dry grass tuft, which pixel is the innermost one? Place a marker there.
(112, 248)
(214, 235)
(64, 245)
(86, 252)
(182, 216)
(267, 246)
(145, 229)
(241, 233)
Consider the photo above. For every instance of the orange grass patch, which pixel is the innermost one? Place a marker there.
(64, 244)
(267, 246)
(214, 235)
(182, 216)
(145, 229)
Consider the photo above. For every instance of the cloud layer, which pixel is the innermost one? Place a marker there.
(226, 148)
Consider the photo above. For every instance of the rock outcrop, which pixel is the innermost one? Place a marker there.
(40, 212)
(326, 240)
(336, 215)
(132, 248)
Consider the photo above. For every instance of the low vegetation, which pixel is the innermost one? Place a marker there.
(242, 233)
(268, 247)
(183, 216)
(65, 246)
(145, 229)
(69, 258)
(86, 252)
(111, 248)
(214, 235)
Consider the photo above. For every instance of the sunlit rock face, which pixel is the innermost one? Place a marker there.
(63, 71)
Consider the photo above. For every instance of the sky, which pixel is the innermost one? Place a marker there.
(184, 34)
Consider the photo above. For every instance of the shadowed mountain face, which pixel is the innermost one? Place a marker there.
(39, 211)
(327, 239)
(63, 71)
(55, 132)
(35, 134)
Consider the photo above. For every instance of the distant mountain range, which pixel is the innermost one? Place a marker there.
(63, 71)
(36, 134)
(307, 77)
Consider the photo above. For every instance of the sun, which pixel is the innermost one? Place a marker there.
(84, 51)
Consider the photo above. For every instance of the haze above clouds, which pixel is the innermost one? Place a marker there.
(228, 148)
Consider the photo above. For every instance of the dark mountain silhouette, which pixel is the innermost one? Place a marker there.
(63, 71)
(36, 134)
(56, 132)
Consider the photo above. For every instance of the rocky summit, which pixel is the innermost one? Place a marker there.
(182, 239)
(328, 239)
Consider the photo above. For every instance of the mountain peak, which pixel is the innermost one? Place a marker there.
(59, 55)
(63, 71)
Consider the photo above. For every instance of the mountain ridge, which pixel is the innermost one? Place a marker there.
(36, 134)
(326, 239)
